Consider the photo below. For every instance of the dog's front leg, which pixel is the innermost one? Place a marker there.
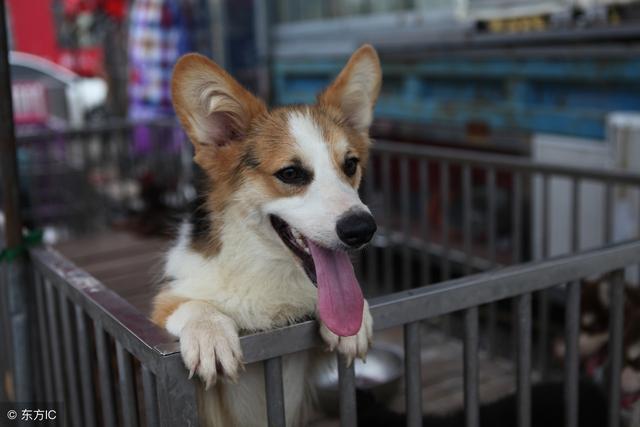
(355, 345)
(209, 341)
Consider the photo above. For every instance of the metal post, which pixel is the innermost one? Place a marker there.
(8, 161)
(18, 305)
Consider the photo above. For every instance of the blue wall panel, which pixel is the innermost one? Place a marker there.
(566, 96)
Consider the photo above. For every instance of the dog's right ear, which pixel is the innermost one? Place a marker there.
(213, 108)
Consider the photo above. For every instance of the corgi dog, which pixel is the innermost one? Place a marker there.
(268, 244)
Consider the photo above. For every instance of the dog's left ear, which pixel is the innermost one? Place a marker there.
(355, 91)
(214, 109)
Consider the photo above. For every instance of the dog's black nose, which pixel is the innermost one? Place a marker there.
(356, 228)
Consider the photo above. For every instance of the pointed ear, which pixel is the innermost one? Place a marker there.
(213, 108)
(355, 91)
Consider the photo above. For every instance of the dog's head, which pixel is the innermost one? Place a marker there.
(296, 169)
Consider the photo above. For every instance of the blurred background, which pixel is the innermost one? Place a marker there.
(543, 80)
(506, 131)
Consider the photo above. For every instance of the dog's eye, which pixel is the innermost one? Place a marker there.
(350, 166)
(293, 175)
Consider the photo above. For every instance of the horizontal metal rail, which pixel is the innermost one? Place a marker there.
(447, 297)
(102, 128)
(503, 162)
(130, 327)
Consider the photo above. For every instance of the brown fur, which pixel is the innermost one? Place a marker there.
(164, 304)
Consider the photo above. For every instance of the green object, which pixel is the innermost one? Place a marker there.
(32, 238)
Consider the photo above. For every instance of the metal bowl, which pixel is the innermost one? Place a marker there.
(381, 374)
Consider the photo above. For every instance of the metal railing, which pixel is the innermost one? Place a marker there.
(108, 361)
(82, 325)
(411, 190)
(99, 355)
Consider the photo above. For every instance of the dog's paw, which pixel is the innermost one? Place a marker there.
(355, 345)
(210, 348)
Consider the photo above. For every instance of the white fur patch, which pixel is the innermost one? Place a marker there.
(209, 341)
(316, 212)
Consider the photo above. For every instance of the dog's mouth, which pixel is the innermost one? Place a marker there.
(340, 300)
(297, 243)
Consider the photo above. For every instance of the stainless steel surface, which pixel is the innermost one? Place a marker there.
(346, 392)
(126, 387)
(71, 373)
(471, 406)
(413, 374)
(405, 212)
(466, 219)
(85, 354)
(274, 391)
(105, 376)
(150, 397)
(425, 259)
(523, 364)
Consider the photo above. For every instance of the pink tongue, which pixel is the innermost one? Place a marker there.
(340, 301)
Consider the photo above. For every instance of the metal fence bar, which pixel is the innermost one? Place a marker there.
(608, 215)
(523, 363)
(501, 161)
(444, 197)
(56, 342)
(543, 297)
(86, 377)
(423, 212)
(616, 328)
(471, 368)
(275, 392)
(413, 374)
(466, 216)
(104, 353)
(45, 345)
(544, 228)
(405, 209)
(571, 357)
(516, 220)
(575, 215)
(150, 393)
(386, 188)
(491, 214)
(347, 393)
(73, 395)
(177, 399)
(126, 387)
